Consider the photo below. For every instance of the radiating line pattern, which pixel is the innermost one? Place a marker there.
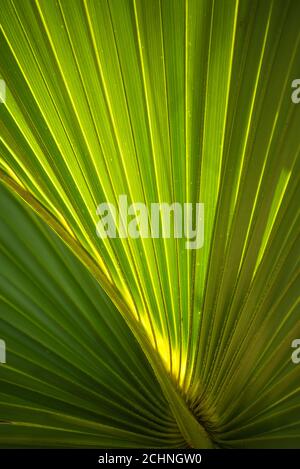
(75, 375)
(173, 101)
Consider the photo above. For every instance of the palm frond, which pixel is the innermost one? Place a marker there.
(173, 101)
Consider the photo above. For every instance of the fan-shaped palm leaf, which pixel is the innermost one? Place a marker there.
(165, 101)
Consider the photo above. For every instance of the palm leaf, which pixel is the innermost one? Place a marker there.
(165, 101)
(75, 374)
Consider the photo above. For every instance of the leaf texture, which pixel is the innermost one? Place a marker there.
(172, 101)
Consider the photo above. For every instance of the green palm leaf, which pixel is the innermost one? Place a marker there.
(75, 374)
(164, 101)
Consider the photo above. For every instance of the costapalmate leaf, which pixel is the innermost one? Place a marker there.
(164, 101)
